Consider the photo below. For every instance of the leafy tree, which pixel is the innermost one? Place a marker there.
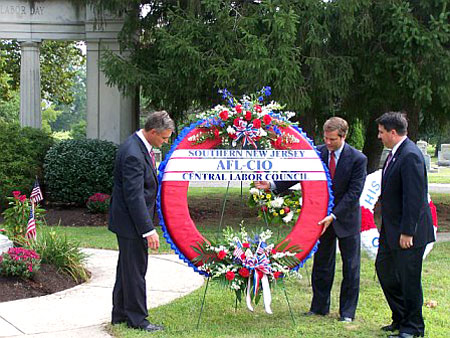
(58, 61)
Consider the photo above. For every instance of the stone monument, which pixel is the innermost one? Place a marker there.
(422, 145)
(444, 155)
(5, 244)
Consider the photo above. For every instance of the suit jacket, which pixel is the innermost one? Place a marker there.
(133, 199)
(404, 198)
(347, 186)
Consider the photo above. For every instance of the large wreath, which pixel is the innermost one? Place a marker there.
(243, 124)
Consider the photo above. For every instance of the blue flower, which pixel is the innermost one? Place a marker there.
(267, 90)
(260, 99)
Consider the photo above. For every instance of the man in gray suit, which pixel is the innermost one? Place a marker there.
(132, 210)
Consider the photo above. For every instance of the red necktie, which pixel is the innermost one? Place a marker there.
(152, 155)
(332, 165)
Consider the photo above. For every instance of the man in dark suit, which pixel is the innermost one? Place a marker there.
(406, 227)
(132, 210)
(347, 168)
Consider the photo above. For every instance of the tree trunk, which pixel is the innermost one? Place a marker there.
(372, 146)
(413, 123)
(307, 122)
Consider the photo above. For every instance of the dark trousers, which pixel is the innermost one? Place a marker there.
(400, 275)
(323, 273)
(130, 293)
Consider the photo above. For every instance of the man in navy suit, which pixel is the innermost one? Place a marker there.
(347, 168)
(406, 227)
(132, 210)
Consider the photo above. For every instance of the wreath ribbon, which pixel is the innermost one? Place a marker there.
(247, 132)
(259, 266)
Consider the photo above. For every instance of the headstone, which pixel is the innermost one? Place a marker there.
(5, 244)
(444, 155)
(422, 145)
(383, 157)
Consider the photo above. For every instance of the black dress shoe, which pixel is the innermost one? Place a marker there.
(392, 327)
(346, 319)
(405, 335)
(152, 328)
(312, 313)
(117, 322)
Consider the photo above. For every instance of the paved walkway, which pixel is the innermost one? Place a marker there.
(84, 310)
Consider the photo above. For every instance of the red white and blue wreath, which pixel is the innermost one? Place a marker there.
(223, 137)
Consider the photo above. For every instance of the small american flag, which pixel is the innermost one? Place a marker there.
(31, 227)
(261, 248)
(238, 251)
(36, 193)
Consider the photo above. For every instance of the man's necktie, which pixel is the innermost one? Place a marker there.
(152, 155)
(332, 165)
(388, 160)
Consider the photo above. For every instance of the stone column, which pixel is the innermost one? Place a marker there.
(110, 114)
(30, 85)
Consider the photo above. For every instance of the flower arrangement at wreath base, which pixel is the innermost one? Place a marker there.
(276, 209)
(247, 263)
(19, 262)
(98, 203)
(246, 123)
(17, 216)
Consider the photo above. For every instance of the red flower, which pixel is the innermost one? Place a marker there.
(22, 198)
(277, 274)
(278, 143)
(236, 121)
(246, 245)
(248, 115)
(243, 256)
(232, 136)
(258, 108)
(274, 251)
(224, 115)
(238, 108)
(286, 209)
(257, 123)
(244, 272)
(267, 119)
(221, 255)
(216, 133)
(229, 275)
(16, 194)
(264, 208)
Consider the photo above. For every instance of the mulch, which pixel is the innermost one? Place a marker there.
(45, 281)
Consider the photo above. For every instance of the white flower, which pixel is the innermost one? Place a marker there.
(278, 202)
(262, 132)
(231, 130)
(264, 236)
(254, 191)
(288, 217)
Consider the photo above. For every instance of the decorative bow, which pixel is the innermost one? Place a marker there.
(259, 266)
(247, 132)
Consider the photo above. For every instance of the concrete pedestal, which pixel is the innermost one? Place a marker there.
(5, 244)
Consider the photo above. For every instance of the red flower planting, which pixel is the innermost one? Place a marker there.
(229, 275)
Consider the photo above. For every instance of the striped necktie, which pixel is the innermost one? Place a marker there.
(332, 165)
(152, 155)
(388, 160)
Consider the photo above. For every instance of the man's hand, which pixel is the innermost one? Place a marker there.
(326, 223)
(406, 241)
(153, 241)
(262, 185)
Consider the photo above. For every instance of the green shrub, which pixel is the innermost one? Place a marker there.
(59, 251)
(76, 169)
(22, 155)
(19, 262)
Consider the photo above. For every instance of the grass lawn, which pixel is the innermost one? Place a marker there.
(443, 176)
(219, 318)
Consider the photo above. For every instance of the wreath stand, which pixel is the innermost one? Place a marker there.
(208, 278)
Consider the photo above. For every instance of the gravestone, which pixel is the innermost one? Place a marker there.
(444, 155)
(5, 244)
(383, 157)
(422, 145)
